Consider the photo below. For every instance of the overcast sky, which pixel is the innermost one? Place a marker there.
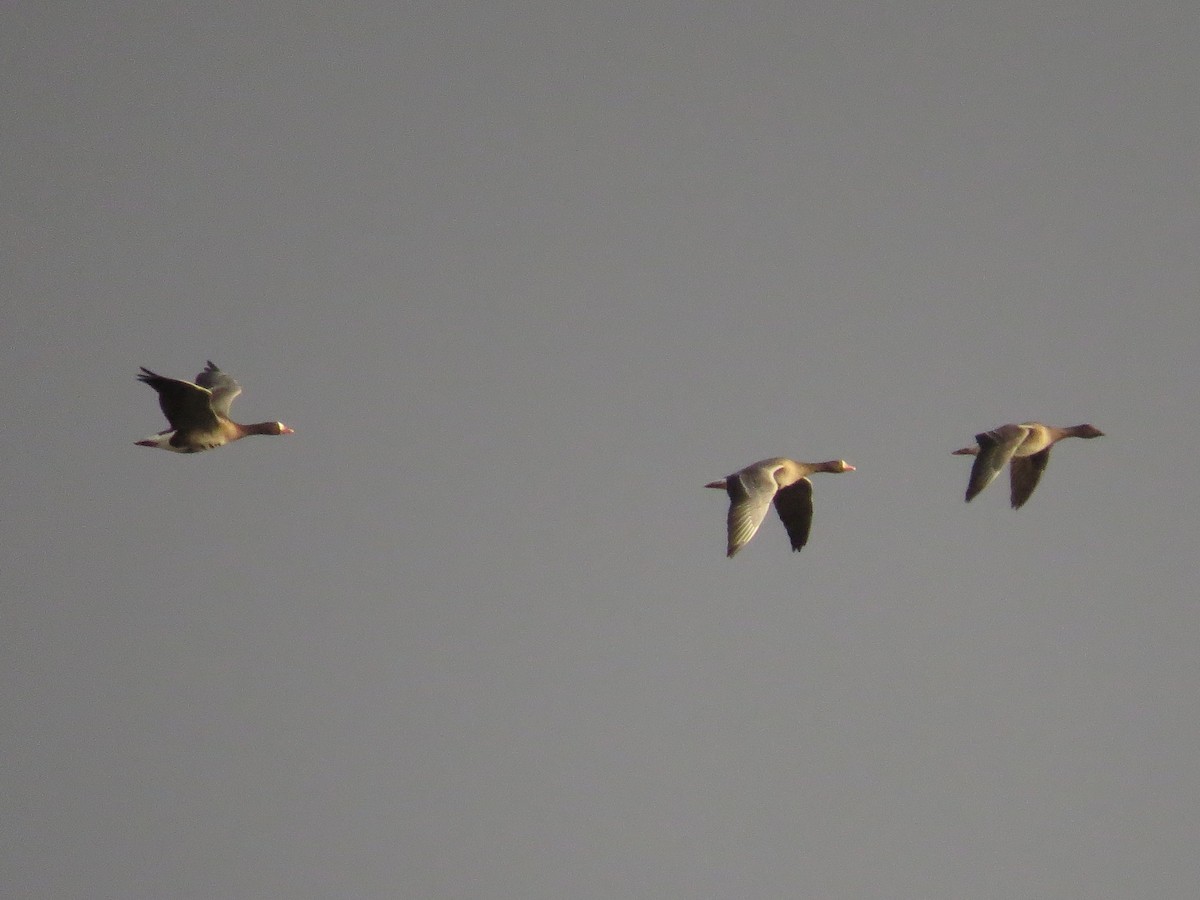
(523, 277)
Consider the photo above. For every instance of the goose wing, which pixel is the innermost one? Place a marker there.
(794, 505)
(750, 492)
(996, 448)
(1024, 474)
(223, 388)
(187, 406)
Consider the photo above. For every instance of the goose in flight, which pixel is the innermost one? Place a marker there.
(1026, 449)
(785, 481)
(199, 412)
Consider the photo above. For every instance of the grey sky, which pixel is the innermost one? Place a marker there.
(523, 277)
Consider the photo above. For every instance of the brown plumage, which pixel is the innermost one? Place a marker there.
(1026, 449)
(199, 412)
(784, 481)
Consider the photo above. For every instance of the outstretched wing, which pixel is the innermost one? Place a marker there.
(1024, 474)
(224, 389)
(750, 494)
(795, 508)
(995, 450)
(187, 406)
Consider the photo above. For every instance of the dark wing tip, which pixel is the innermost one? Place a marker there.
(148, 377)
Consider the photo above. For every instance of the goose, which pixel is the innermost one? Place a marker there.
(784, 481)
(1025, 447)
(199, 412)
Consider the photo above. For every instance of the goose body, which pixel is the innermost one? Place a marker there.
(198, 412)
(777, 480)
(1025, 448)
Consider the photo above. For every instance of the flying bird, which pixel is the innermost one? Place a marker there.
(784, 481)
(1026, 449)
(199, 412)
